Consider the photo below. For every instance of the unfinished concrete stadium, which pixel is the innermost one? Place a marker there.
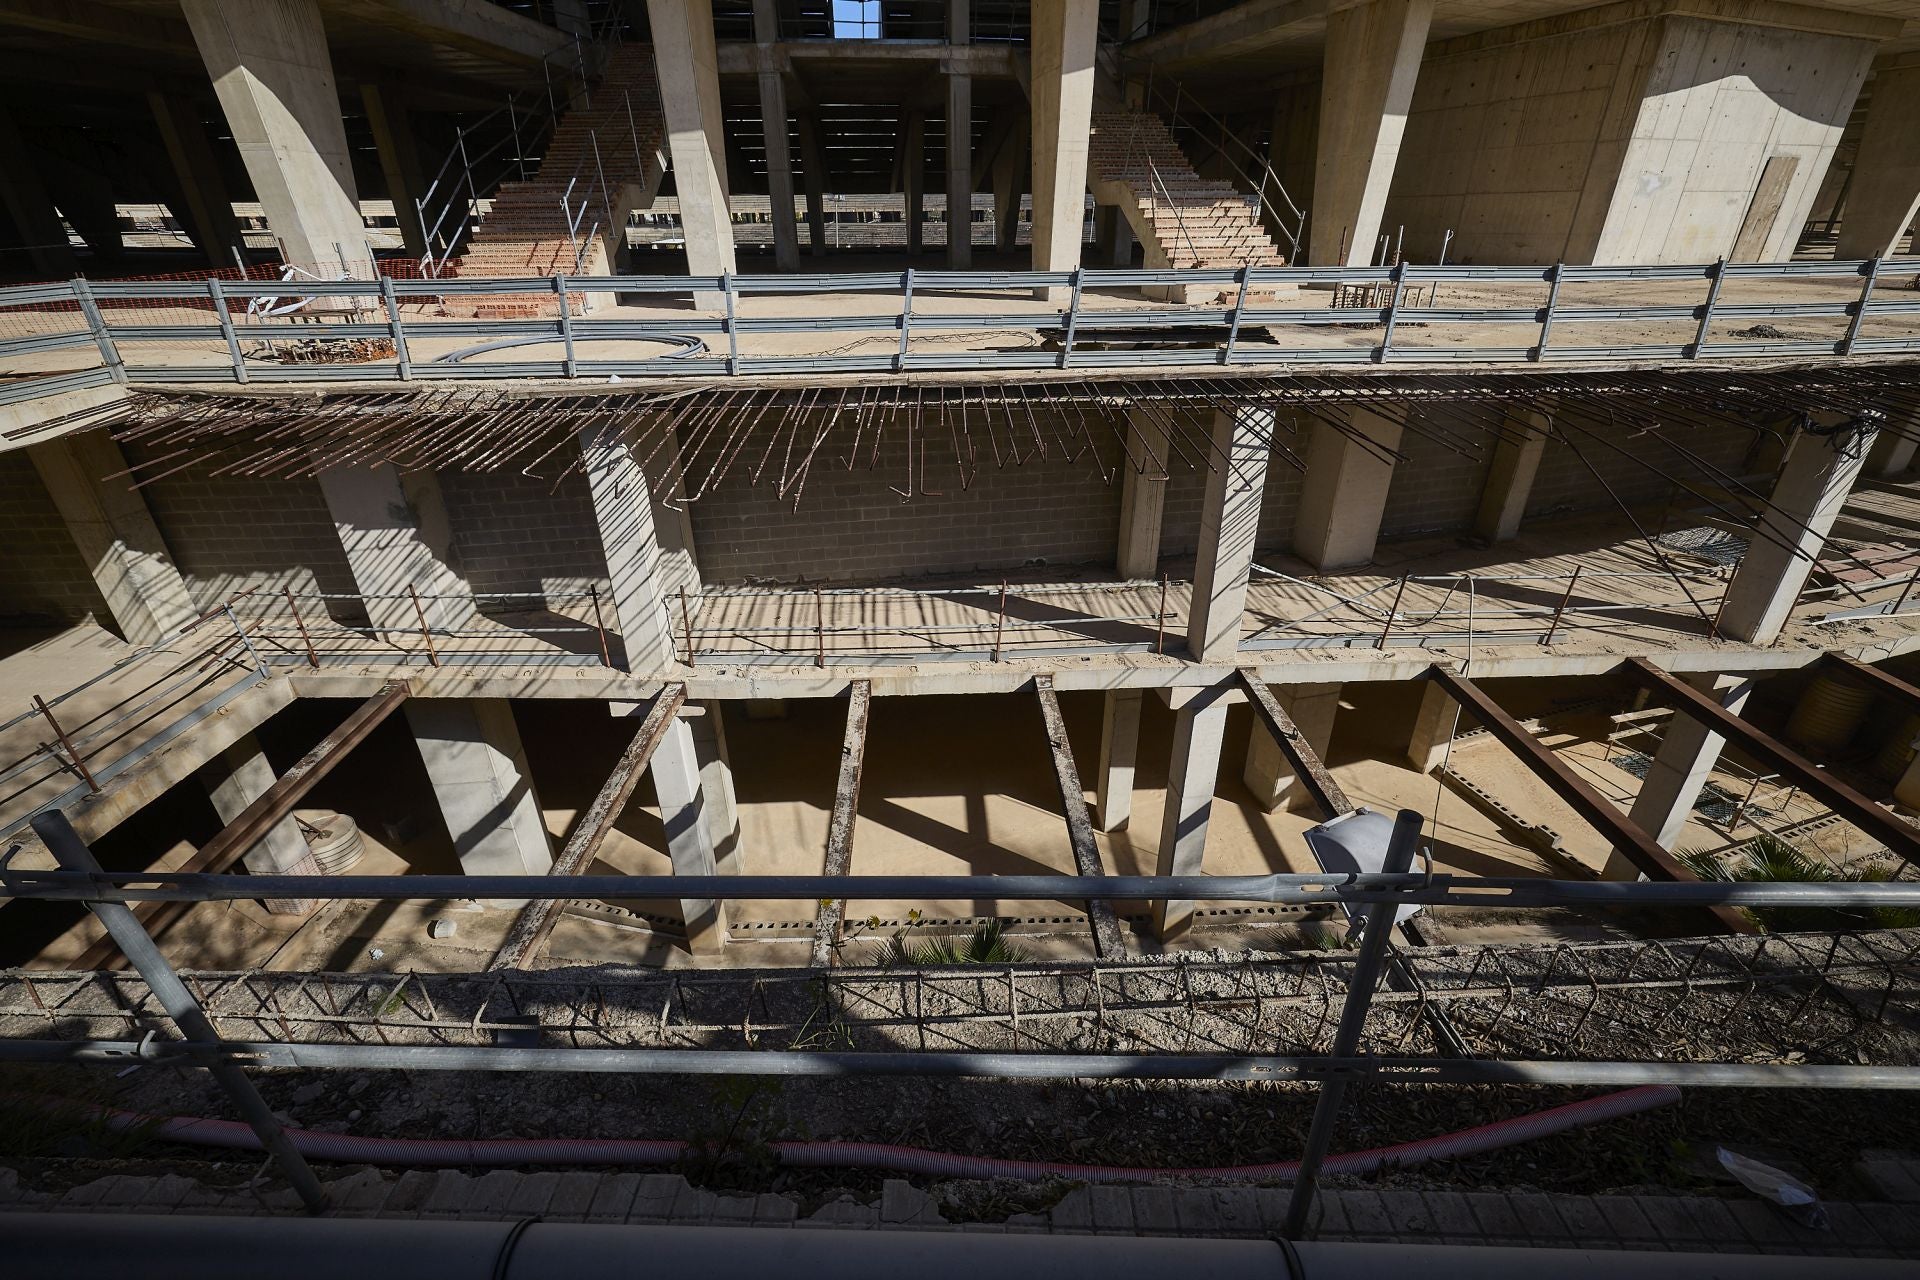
(1232, 636)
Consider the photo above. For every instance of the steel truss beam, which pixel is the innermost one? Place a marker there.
(1884, 683)
(1900, 839)
(1307, 767)
(1108, 944)
(846, 805)
(536, 920)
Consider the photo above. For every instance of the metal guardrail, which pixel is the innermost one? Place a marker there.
(1080, 336)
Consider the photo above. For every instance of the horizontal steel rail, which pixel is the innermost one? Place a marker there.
(1154, 336)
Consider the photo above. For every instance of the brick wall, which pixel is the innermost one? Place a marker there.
(516, 534)
(1437, 489)
(1565, 485)
(231, 533)
(42, 576)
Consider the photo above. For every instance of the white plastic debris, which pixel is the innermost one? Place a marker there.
(1776, 1186)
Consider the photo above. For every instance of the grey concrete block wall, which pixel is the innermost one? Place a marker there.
(41, 572)
(230, 533)
(1565, 486)
(1437, 489)
(518, 534)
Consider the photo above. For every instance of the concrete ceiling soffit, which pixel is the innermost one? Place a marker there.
(1249, 28)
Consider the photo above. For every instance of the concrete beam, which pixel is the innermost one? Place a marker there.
(683, 52)
(478, 767)
(1063, 55)
(1229, 527)
(396, 534)
(1192, 771)
(1267, 773)
(1345, 496)
(115, 534)
(393, 138)
(1815, 479)
(1681, 766)
(1372, 60)
(209, 205)
(270, 67)
(1247, 28)
(1517, 451)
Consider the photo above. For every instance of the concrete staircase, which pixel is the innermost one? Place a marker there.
(1179, 218)
(526, 233)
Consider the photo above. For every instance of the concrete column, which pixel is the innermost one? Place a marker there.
(1192, 771)
(270, 67)
(393, 138)
(1516, 460)
(1062, 59)
(1815, 479)
(913, 180)
(1884, 194)
(1680, 769)
(1143, 496)
(720, 809)
(1267, 774)
(1119, 749)
(235, 779)
(208, 210)
(1371, 61)
(395, 532)
(1348, 474)
(1229, 526)
(814, 166)
(1011, 173)
(1433, 726)
(474, 758)
(115, 534)
(959, 171)
(773, 123)
(623, 510)
(689, 74)
(29, 207)
(676, 778)
(1893, 449)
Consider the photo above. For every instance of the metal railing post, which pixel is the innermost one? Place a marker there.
(1719, 273)
(402, 361)
(1378, 925)
(1398, 275)
(600, 626)
(568, 362)
(137, 945)
(733, 318)
(218, 293)
(1073, 321)
(1860, 307)
(519, 151)
(1233, 320)
(97, 323)
(1560, 609)
(906, 318)
(246, 642)
(66, 744)
(1546, 316)
(426, 632)
(313, 659)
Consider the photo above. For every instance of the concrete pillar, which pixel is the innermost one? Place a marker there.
(1267, 774)
(1884, 193)
(913, 180)
(1112, 237)
(1680, 769)
(1062, 58)
(1192, 771)
(208, 205)
(676, 779)
(689, 74)
(1119, 749)
(1433, 726)
(773, 123)
(1815, 479)
(395, 532)
(1143, 496)
(1371, 61)
(1229, 526)
(623, 510)
(1893, 449)
(115, 535)
(393, 138)
(270, 67)
(29, 207)
(1348, 474)
(478, 768)
(959, 171)
(1011, 173)
(1516, 460)
(235, 779)
(814, 170)
(720, 808)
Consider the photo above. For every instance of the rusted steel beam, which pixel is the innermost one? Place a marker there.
(240, 836)
(846, 803)
(1307, 767)
(1853, 805)
(1633, 842)
(528, 933)
(1107, 941)
(1884, 683)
